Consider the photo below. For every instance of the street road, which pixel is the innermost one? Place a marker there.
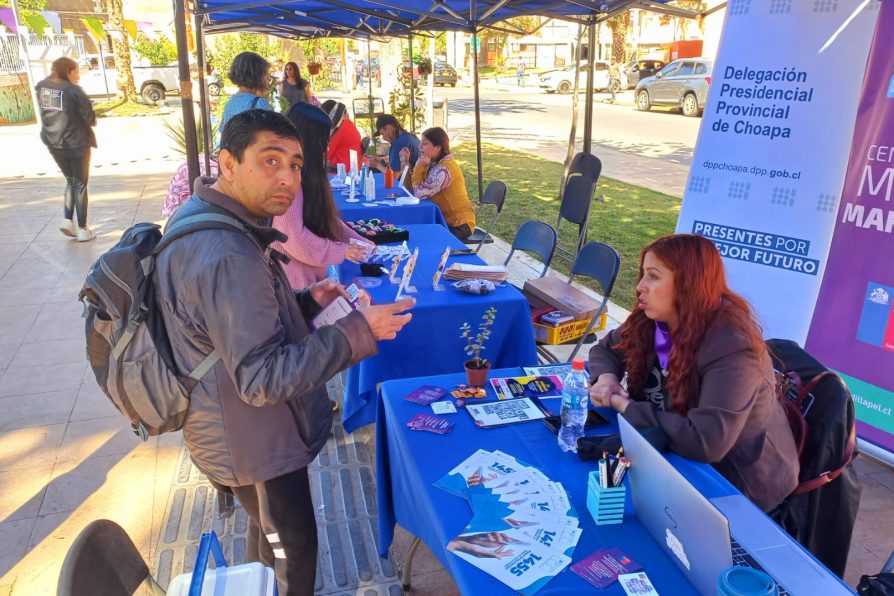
(534, 120)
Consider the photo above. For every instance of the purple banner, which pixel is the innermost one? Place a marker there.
(852, 330)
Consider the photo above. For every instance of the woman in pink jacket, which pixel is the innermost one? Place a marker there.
(317, 235)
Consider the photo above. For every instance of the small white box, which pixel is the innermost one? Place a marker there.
(249, 579)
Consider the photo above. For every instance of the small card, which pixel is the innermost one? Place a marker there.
(443, 407)
(425, 395)
(433, 424)
(336, 310)
(604, 566)
(637, 584)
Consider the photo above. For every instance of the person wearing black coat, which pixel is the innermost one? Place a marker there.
(67, 119)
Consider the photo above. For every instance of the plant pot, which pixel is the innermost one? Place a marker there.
(314, 68)
(476, 377)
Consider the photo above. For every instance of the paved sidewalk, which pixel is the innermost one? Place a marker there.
(66, 458)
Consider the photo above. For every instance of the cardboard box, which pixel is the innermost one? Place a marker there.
(562, 296)
(547, 334)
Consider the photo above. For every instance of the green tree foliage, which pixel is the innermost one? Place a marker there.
(160, 52)
(230, 45)
(26, 7)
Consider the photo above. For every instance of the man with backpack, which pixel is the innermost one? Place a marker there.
(261, 414)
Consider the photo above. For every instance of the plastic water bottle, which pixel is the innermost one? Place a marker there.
(575, 393)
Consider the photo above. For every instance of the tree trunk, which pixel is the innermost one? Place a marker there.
(121, 47)
(619, 26)
(572, 136)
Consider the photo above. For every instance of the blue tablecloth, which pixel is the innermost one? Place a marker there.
(408, 462)
(430, 343)
(425, 212)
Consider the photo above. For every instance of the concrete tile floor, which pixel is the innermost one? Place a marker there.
(65, 457)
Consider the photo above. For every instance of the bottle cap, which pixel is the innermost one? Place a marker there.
(577, 364)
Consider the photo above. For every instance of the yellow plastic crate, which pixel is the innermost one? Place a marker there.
(546, 334)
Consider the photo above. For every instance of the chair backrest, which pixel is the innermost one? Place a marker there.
(822, 517)
(600, 262)
(587, 165)
(537, 237)
(576, 200)
(103, 560)
(368, 107)
(495, 194)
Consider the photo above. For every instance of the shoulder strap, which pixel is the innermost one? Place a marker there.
(199, 221)
(850, 446)
(254, 102)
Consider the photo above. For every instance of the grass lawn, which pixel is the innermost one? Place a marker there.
(629, 218)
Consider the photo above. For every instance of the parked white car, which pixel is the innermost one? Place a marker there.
(562, 81)
(152, 82)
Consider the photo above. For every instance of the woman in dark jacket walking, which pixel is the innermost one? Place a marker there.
(67, 119)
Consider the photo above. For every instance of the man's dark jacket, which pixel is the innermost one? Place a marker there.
(262, 411)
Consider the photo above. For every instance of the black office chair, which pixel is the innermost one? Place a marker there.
(599, 262)
(537, 237)
(103, 561)
(494, 194)
(575, 208)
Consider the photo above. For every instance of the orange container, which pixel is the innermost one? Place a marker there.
(389, 178)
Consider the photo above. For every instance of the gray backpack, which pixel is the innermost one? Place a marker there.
(127, 344)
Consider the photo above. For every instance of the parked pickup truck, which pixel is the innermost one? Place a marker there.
(152, 82)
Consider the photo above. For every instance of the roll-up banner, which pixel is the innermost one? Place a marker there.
(770, 161)
(853, 324)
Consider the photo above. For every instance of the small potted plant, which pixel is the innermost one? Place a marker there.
(476, 366)
(314, 67)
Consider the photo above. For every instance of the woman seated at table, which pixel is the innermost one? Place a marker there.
(437, 176)
(344, 136)
(698, 368)
(317, 236)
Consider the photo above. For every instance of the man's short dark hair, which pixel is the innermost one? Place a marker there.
(250, 71)
(241, 130)
(386, 119)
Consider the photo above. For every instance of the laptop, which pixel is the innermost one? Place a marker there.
(695, 531)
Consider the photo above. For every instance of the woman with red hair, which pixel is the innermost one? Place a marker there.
(698, 368)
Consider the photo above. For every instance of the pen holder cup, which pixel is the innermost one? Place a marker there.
(606, 505)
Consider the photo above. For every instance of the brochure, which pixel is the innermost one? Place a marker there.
(604, 566)
(497, 413)
(547, 370)
(519, 562)
(537, 386)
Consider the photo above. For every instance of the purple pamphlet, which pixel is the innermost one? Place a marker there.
(426, 395)
(604, 566)
(433, 424)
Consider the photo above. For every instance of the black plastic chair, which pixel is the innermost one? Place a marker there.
(494, 194)
(103, 561)
(537, 237)
(586, 165)
(577, 197)
(600, 262)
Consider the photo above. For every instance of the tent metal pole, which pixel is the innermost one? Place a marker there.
(369, 72)
(189, 119)
(588, 104)
(203, 93)
(412, 89)
(477, 111)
